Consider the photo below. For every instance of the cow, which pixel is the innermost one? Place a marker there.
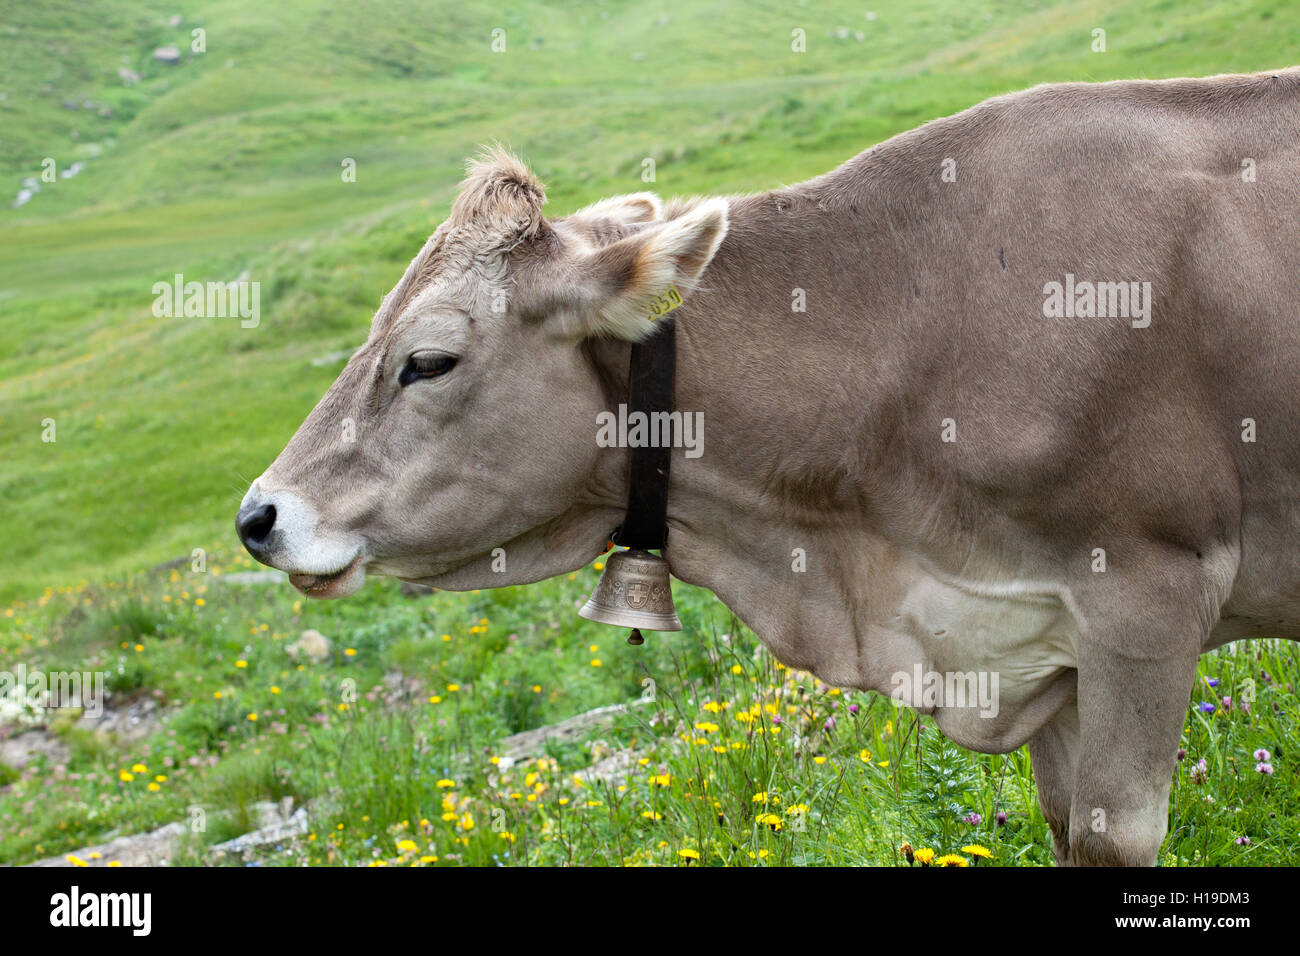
(1011, 394)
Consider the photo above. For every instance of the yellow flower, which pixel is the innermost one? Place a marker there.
(650, 815)
(771, 820)
(924, 856)
(199, 602)
(407, 846)
(125, 776)
(428, 859)
(760, 797)
(351, 652)
(662, 780)
(274, 689)
(864, 755)
(75, 860)
(952, 859)
(444, 783)
(216, 694)
(252, 717)
(737, 669)
(139, 768)
(819, 760)
(435, 699)
(161, 778)
(241, 664)
(452, 688)
(154, 788)
(976, 850)
(596, 662)
(139, 648)
(689, 854)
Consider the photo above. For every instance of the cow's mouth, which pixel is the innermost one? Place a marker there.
(336, 584)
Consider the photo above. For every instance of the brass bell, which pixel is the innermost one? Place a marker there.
(634, 591)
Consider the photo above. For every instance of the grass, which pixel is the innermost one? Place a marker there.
(230, 162)
(394, 737)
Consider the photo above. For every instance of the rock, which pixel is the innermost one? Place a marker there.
(167, 54)
(156, 848)
(312, 644)
(128, 76)
(532, 743)
(275, 832)
(129, 722)
(20, 749)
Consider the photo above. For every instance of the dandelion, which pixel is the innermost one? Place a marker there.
(241, 664)
(662, 780)
(925, 856)
(760, 797)
(596, 663)
(453, 688)
(153, 788)
(139, 768)
(407, 846)
(689, 855)
(274, 689)
(977, 851)
(350, 652)
(445, 783)
(647, 814)
(771, 820)
(952, 859)
(125, 776)
(199, 602)
(253, 718)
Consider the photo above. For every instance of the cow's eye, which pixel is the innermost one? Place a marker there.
(426, 365)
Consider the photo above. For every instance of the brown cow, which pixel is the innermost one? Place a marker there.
(1002, 417)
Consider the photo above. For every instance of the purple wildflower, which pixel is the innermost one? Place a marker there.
(1261, 754)
(1263, 767)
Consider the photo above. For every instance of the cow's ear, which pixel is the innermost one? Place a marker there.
(642, 277)
(631, 209)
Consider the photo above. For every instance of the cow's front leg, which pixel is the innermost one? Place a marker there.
(1054, 756)
(1131, 711)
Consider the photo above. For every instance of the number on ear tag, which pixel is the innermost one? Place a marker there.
(661, 305)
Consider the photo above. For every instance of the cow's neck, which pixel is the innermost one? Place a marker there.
(775, 516)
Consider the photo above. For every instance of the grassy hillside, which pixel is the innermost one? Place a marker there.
(229, 162)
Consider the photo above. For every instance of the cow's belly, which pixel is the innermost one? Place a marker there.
(992, 663)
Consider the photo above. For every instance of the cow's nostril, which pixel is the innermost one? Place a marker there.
(255, 526)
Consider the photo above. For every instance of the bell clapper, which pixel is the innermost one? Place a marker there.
(635, 637)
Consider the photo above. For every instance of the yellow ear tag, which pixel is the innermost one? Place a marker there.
(661, 305)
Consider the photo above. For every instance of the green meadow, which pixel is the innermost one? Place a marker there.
(231, 163)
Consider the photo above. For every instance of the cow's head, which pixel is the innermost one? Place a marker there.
(458, 446)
